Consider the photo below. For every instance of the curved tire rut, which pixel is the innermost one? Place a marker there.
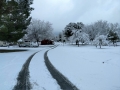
(64, 83)
(23, 82)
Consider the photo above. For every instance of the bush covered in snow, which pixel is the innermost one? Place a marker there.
(80, 36)
(100, 41)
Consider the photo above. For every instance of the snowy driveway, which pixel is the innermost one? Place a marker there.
(11, 64)
(41, 78)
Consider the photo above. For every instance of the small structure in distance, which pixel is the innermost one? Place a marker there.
(47, 42)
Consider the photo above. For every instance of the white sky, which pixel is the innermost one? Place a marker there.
(62, 12)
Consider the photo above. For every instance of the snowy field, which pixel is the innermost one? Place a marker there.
(11, 64)
(88, 67)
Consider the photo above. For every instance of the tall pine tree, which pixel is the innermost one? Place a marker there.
(14, 19)
(113, 36)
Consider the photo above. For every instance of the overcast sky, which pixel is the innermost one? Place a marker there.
(62, 12)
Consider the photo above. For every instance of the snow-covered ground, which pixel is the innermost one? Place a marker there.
(88, 67)
(11, 64)
(40, 78)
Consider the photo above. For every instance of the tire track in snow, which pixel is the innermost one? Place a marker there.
(23, 82)
(64, 83)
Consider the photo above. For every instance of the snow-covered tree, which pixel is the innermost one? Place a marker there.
(118, 32)
(68, 30)
(83, 37)
(113, 36)
(39, 30)
(60, 37)
(68, 33)
(72, 28)
(100, 27)
(90, 31)
(100, 40)
(80, 36)
(14, 19)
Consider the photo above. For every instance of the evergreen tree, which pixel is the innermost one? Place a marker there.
(68, 30)
(112, 36)
(2, 10)
(14, 19)
(72, 28)
(68, 33)
(5, 20)
(24, 10)
(60, 37)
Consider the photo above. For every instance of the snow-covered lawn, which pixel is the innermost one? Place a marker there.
(88, 67)
(11, 64)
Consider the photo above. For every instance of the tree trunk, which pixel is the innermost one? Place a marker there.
(113, 43)
(78, 43)
(38, 43)
(100, 43)
(100, 46)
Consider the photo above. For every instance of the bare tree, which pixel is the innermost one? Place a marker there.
(98, 28)
(39, 30)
